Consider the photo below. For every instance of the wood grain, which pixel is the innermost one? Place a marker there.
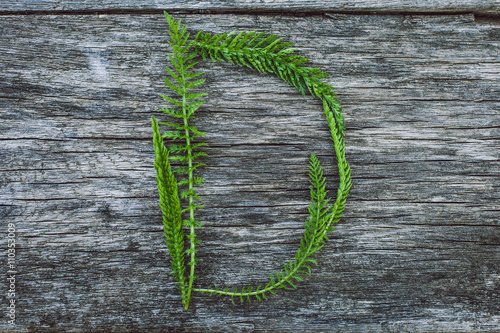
(417, 249)
(257, 6)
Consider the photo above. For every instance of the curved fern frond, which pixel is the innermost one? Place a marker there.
(321, 218)
(269, 54)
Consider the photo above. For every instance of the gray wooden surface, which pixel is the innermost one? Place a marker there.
(245, 6)
(417, 250)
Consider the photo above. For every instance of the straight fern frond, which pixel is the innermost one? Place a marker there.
(182, 80)
(171, 209)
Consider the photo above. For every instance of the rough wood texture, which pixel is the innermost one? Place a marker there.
(245, 6)
(418, 249)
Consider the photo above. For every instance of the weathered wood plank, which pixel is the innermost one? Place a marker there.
(246, 6)
(417, 249)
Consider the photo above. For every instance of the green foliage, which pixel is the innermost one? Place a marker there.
(171, 209)
(270, 54)
(182, 80)
(265, 54)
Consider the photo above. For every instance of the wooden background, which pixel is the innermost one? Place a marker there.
(418, 248)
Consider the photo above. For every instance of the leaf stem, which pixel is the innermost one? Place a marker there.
(190, 191)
